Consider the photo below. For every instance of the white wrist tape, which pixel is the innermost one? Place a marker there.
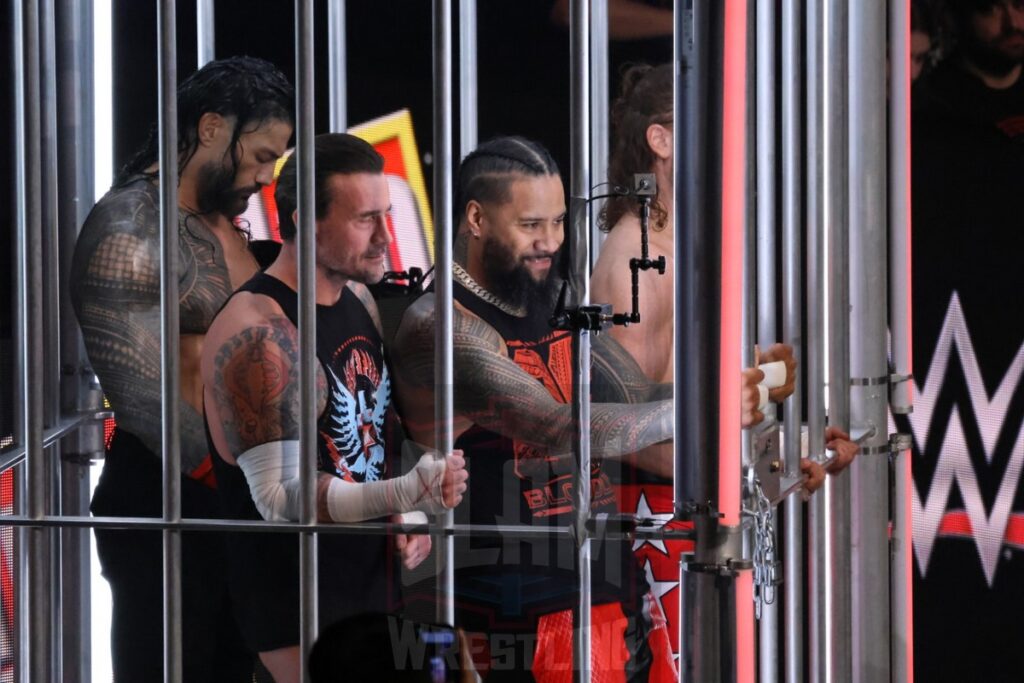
(762, 393)
(415, 517)
(774, 374)
(272, 472)
(419, 489)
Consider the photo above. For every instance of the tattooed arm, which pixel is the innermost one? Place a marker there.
(617, 378)
(251, 377)
(115, 289)
(495, 393)
(251, 369)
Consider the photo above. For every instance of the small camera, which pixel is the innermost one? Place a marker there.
(644, 185)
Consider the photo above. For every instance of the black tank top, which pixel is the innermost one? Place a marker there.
(512, 482)
(357, 573)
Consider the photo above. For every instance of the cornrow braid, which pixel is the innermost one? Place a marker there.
(486, 172)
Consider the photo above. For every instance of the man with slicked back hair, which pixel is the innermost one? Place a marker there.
(250, 371)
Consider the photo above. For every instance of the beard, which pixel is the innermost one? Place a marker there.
(216, 191)
(992, 58)
(511, 281)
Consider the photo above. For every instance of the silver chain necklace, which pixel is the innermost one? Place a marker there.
(467, 281)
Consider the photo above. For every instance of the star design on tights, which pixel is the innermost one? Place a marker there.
(659, 589)
(643, 511)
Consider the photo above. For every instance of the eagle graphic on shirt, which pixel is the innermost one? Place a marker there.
(355, 425)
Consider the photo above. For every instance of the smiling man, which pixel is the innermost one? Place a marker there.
(513, 420)
(234, 121)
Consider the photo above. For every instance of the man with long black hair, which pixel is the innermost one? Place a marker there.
(234, 122)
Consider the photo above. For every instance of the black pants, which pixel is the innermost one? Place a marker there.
(132, 563)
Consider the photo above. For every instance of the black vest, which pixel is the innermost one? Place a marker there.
(506, 583)
(357, 573)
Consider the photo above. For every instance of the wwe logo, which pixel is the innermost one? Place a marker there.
(954, 463)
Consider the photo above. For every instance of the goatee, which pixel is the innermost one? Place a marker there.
(216, 191)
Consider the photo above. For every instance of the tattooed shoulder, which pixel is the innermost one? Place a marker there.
(256, 384)
(204, 279)
(116, 259)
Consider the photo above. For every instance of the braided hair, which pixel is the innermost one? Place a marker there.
(251, 90)
(645, 99)
(486, 172)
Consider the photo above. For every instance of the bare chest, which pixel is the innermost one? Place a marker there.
(214, 262)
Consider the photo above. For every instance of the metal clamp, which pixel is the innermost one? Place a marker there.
(869, 381)
(899, 442)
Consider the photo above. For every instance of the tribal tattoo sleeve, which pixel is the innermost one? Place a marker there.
(617, 378)
(115, 290)
(495, 393)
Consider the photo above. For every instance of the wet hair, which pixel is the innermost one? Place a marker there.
(335, 153)
(486, 172)
(251, 90)
(644, 99)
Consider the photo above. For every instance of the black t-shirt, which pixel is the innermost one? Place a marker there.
(357, 573)
(968, 346)
(507, 584)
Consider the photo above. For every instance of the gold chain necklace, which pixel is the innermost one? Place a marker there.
(472, 285)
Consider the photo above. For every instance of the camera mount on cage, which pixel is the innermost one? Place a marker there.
(598, 317)
(402, 282)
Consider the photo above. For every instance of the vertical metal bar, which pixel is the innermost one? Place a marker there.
(737, 617)
(839, 616)
(868, 319)
(37, 580)
(745, 611)
(444, 407)
(600, 106)
(900, 323)
(767, 200)
(205, 33)
(792, 160)
(834, 626)
(680, 51)
(169, 335)
(817, 518)
(49, 275)
(21, 574)
(815, 225)
(766, 334)
(580, 80)
(902, 636)
(468, 108)
(767, 205)
(698, 205)
(304, 146)
(337, 61)
(75, 182)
